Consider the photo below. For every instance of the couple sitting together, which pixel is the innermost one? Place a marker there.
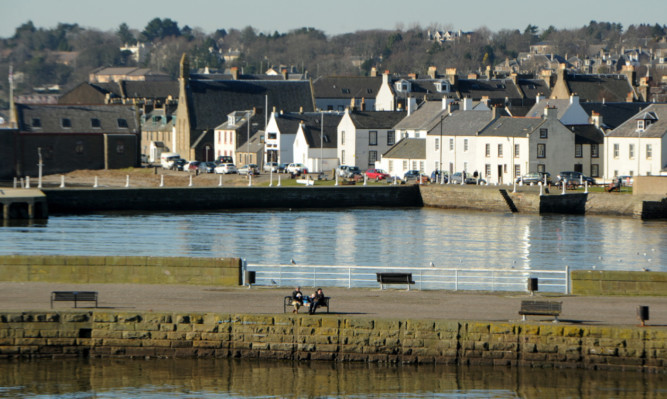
(315, 300)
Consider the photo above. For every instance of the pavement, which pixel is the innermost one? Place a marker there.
(345, 302)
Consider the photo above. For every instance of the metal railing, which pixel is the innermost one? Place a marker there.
(425, 278)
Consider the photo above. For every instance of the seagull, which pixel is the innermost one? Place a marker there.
(645, 269)
(293, 261)
(432, 264)
(274, 282)
(594, 266)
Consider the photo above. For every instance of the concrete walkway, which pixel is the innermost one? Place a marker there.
(389, 303)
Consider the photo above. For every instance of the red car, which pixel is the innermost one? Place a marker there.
(377, 174)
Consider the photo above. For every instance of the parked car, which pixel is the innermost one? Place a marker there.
(416, 175)
(458, 176)
(282, 168)
(249, 169)
(271, 167)
(348, 172)
(573, 178)
(626, 181)
(534, 178)
(377, 174)
(224, 159)
(296, 168)
(191, 166)
(206, 167)
(179, 164)
(225, 168)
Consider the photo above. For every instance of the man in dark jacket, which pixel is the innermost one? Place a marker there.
(317, 299)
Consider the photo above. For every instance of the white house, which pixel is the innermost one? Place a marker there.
(363, 136)
(281, 133)
(570, 112)
(234, 133)
(407, 154)
(315, 142)
(638, 146)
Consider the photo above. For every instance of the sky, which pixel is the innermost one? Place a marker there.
(332, 17)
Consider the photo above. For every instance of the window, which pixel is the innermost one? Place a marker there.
(640, 124)
(577, 151)
(487, 150)
(465, 144)
(36, 122)
(541, 168)
(500, 150)
(541, 150)
(391, 137)
(95, 123)
(372, 157)
(372, 137)
(616, 150)
(66, 123)
(516, 150)
(122, 123)
(405, 165)
(517, 170)
(595, 150)
(120, 147)
(595, 170)
(342, 137)
(487, 170)
(437, 145)
(544, 133)
(451, 144)
(414, 164)
(631, 151)
(272, 136)
(421, 166)
(342, 157)
(649, 151)
(78, 148)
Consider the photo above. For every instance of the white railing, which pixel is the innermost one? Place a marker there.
(425, 278)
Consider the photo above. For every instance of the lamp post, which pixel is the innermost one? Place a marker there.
(40, 164)
(247, 156)
(321, 141)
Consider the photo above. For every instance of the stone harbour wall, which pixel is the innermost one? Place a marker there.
(611, 282)
(330, 338)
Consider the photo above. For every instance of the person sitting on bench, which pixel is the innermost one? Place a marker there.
(615, 185)
(317, 299)
(297, 299)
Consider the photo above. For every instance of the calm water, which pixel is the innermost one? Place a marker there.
(390, 237)
(215, 378)
(369, 237)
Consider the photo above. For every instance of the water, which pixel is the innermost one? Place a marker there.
(233, 378)
(363, 237)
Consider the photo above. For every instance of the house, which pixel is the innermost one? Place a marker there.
(115, 74)
(639, 145)
(157, 132)
(417, 123)
(569, 111)
(315, 142)
(238, 139)
(365, 135)
(205, 104)
(281, 131)
(67, 138)
(407, 154)
(610, 115)
(594, 88)
(588, 149)
(336, 93)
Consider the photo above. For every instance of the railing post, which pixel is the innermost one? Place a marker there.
(349, 277)
(244, 267)
(567, 279)
(456, 280)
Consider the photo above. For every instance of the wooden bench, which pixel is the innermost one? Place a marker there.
(540, 308)
(75, 296)
(287, 303)
(394, 278)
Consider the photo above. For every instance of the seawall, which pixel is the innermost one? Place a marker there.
(603, 283)
(329, 337)
(121, 270)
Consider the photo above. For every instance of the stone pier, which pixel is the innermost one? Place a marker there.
(23, 204)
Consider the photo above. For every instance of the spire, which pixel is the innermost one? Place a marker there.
(185, 68)
(13, 116)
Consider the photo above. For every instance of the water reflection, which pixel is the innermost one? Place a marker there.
(389, 237)
(226, 378)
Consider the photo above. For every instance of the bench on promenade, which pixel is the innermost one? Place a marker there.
(394, 278)
(540, 308)
(75, 296)
(287, 303)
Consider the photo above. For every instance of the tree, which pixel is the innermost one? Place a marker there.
(158, 29)
(125, 36)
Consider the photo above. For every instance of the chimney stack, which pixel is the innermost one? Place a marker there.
(596, 118)
(374, 72)
(284, 72)
(235, 73)
(433, 72)
(385, 77)
(574, 98)
(451, 75)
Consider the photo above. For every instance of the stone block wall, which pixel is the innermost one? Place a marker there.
(330, 338)
(121, 270)
(600, 283)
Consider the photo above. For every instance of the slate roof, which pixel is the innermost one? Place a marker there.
(586, 134)
(211, 101)
(288, 122)
(423, 118)
(376, 119)
(655, 129)
(506, 126)
(538, 109)
(407, 148)
(598, 88)
(157, 90)
(492, 88)
(532, 87)
(463, 123)
(347, 87)
(80, 117)
(614, 114)
(313, 132)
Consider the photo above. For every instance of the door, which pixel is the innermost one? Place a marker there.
(579, 167)
(500, 174)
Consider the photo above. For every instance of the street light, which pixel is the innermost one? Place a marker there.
(247, 156)
(321, 141)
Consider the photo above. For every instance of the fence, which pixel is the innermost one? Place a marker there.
(425, 278)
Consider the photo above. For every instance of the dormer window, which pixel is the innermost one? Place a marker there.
(640, 124)
(66, 123)
(95, 123)
(36, 122)
(345, 91)
(122, 123)
(442, 87)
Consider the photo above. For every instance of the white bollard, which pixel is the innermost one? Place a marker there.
(564, 183)
(62, 181)
(336, 180)
(220, 182)
(95, 184)
(249, 179)
(161, 180)
(514, 190)
(365, 179)
(27, 182)
(541, 186)
(279, 181)
(586, 187)
(15, 182)
(190, 184)
(127, 181)
(271, 177)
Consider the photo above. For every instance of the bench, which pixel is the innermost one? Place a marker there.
(394, 278)
(540, 308)
(75, 296)
(287, 303)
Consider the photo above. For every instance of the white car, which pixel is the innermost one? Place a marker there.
(296, 168)
(271, 167)
(225, 168)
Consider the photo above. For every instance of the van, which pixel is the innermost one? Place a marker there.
(167, 159)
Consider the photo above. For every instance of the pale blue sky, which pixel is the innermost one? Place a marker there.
(332, 17)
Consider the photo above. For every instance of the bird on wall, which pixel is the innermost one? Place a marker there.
(432, 264)
(293, 261)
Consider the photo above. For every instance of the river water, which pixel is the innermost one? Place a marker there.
(388, 237)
